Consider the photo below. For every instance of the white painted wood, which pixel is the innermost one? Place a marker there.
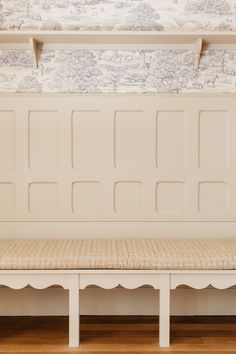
(37, 281)
(126, 279)
(74, 280)
(74, 310)
(200, 281)
(53, 180)
(144, 301)
(164, 311)
(34, 49)
(118, 37)
(199, 176)
(168, 229)
(41, 281)
(198, 50)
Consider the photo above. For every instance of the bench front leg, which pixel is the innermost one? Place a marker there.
(74, 310)
(164, 311)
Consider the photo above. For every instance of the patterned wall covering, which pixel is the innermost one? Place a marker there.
(117, 71)
(118, 14)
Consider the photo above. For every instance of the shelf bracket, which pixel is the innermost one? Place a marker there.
(198, 52)
(34, 49)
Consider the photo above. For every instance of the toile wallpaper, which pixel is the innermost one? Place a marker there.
(115, 70)
(118, 14)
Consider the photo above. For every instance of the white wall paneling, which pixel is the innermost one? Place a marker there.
(123, 165)
(117, 157)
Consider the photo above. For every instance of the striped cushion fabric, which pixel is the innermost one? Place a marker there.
(149, 254)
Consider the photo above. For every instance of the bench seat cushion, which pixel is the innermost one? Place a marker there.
(118, 254)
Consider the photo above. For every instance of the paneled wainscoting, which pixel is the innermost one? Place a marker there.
(118, 157)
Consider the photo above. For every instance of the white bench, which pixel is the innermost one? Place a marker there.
(75, 264)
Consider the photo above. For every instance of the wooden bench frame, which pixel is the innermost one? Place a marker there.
(162, 280)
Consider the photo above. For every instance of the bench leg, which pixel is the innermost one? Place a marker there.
(74, 311)
(164, 311)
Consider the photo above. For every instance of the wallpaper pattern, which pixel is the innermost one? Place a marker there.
(118, 14)
(117, 71)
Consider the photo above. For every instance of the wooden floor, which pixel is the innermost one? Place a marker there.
(129, 334)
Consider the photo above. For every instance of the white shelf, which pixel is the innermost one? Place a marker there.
(127, 40)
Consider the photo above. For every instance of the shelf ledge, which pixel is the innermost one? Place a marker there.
(198, 41)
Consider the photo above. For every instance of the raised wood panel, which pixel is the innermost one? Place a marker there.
(43, 139)
(213, 139)
(128, 197)
(117, 157)
(213, 197)
(86, 139)
(7, 139)
(43, 198)
(170, 197)
(86, 198)
(128, 139)
(7, 198)
(171, 139)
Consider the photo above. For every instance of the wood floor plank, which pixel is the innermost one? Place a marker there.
(118, 334)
